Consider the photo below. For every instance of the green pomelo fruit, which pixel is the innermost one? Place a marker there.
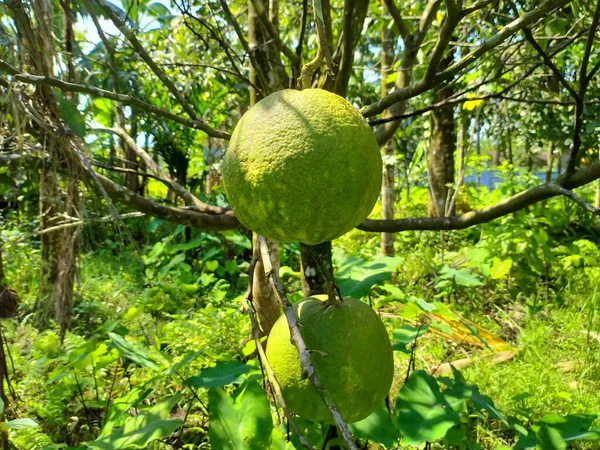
(351, 354)
(302, 166)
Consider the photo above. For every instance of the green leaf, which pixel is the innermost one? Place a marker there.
(72, 116)
(221, 375)
(242, 421)
(211, 266)
(177, 259)
(140, 430)
(238, 239)
(500, 268)
(422, 412)
(406, 334)
(355, 276)
(570, 429)
(21, 424)
(462, 277)
(460, 390)
(378, 427)
(254, 413)
(133, 351)
(188, 358)
(550, 439)
(119, 408)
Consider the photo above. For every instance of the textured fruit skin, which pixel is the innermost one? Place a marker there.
(357, 371)
(302, 166)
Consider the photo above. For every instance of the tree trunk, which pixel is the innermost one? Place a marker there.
(509, 148)
(441, 155)
(59, 244)
(478, 144)
(317, 268)
(265, 299)
(550, 161)
(388, 150)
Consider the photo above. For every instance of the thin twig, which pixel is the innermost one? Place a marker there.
(583, 85)
(298, 341)
(581, 202)
(180, 190)
(262, 14)
(322, 48)
(139, 49)
(65, 86)
(249, 306)
(502, 208)
(425, 84)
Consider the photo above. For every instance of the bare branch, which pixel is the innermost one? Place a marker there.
(249, 306)
(547, 60)
(581, 202)
(181, 191)
(476, 7)
(426, 20)
(272, 32)
(509, 30)
(123, 170)
(500, 209)
(302, 30)
(425, 84)
(190, 217)
(583, 85)
(125, 99)
(298, 341)
(399, 22)
(322, 48)
(240, 34)
(147, 58)
(450, 22)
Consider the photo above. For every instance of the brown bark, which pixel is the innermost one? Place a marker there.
(264, 298)
(550, 161)
(441, 155)
(388, 150)
(509, 148)
(355, 13)
(478, 142)
(317, 268)
(59, 246)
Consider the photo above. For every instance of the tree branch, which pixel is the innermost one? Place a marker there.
(273, 33)
(249, 306)
(476, 7)
(322, 48)
(65, 86)
(190, 217)
(123, 170)
(500, 209)
(240, 34)
(298, 341)
(162, 76)
(399, 22)
(547, 60)
(583, 85)
(181, 191)
(581, 202)
(425, 84)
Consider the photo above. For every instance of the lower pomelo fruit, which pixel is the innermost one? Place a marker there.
(302, 166)
(351, 354)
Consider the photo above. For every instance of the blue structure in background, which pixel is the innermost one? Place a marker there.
(490, 178)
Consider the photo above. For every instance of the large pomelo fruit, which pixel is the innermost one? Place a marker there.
(302, 166)
(351, 354)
